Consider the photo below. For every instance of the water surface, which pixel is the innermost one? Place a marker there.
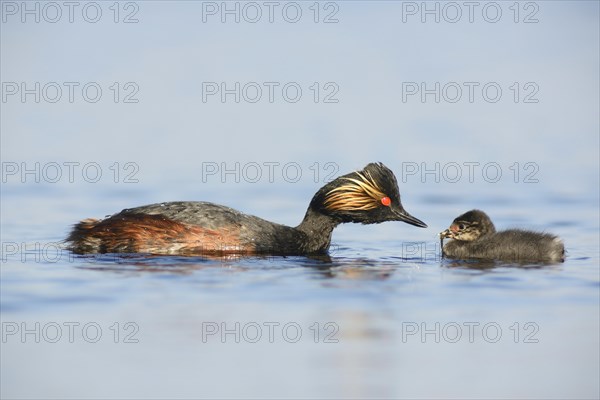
(382, 316)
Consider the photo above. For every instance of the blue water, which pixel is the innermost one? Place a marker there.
(383, 316)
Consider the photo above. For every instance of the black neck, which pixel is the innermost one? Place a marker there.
(318, 228)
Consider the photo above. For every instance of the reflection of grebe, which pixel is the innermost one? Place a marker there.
(475, 236)
(369, 196)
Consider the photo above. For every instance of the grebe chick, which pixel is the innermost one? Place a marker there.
(475, 236)
(369, 196)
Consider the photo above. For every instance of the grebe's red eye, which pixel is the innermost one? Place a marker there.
(386, 201)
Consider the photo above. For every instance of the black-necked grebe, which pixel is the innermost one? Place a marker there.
(475, 236)
(369, 196)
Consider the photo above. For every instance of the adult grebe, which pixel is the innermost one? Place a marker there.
(369, 196)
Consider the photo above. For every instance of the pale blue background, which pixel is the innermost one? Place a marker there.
(171, 132)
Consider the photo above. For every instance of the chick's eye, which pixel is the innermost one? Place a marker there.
(386, 201)
(461, 226)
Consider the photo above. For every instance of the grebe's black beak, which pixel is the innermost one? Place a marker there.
(402, 215)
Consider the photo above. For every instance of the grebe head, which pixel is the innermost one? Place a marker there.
(469, 227)
(369, 196)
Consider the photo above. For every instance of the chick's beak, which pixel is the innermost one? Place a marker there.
(446, 234)
(402, 215)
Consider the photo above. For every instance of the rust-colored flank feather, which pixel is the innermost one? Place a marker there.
(144, 233)
(358, 194)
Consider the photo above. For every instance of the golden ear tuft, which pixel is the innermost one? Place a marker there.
(361, 193)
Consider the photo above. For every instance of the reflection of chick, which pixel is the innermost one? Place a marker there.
(475, 236)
